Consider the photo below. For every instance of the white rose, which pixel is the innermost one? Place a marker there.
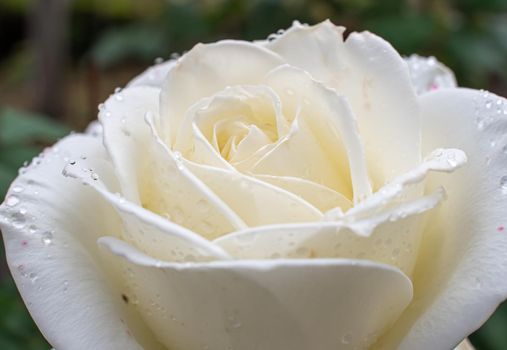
(281, 194)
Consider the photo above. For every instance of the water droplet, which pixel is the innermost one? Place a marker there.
(289, 91)
(12, 201)
(17, 189)
(488, 104)
(175, 56)
(177, 155)
(65, 285)
(234, 322)
(503, 184)
(33, 277)
(47, 238)
(95, 176)
(101, 106)
(159, 60)
(32, 229)
(72, 162)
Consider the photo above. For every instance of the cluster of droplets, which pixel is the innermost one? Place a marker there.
(427, 74)
(490, 112)
(74, 166)
(104, 110)
(390, 244)
(274, 36)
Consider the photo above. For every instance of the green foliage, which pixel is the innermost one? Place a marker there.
(17, 330)
(22, 128)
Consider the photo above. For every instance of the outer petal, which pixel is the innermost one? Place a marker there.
(149, 232)
(374, 78)
(153, 76)
(269, 305)
(428, 74)
(393, 238)
(124, 129)
(207, 69)
(49, 225)
(462, 271)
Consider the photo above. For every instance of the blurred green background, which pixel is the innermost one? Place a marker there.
(60, 58)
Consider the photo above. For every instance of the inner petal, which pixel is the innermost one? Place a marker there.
(227, 118)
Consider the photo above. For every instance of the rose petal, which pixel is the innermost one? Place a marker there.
(248, 106)
(462, 267)
(375, 80)
(49, 225)
(149, 232)
(150, 175)
(256, 202)
(124, 129)
(300, 154)
(207, 69)
(319, 113)
(153, 76)
(393, 238)
(293, 304)
(428, 74)
(323, 198)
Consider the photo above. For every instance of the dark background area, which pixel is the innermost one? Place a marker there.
(60, 58)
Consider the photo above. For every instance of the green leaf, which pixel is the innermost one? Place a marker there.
(22, 127)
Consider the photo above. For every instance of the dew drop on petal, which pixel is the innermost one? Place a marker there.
(12, 201)
(503, 184)
(17, 189)
(47, 238)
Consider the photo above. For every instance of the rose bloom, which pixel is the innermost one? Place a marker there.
(301, 192)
